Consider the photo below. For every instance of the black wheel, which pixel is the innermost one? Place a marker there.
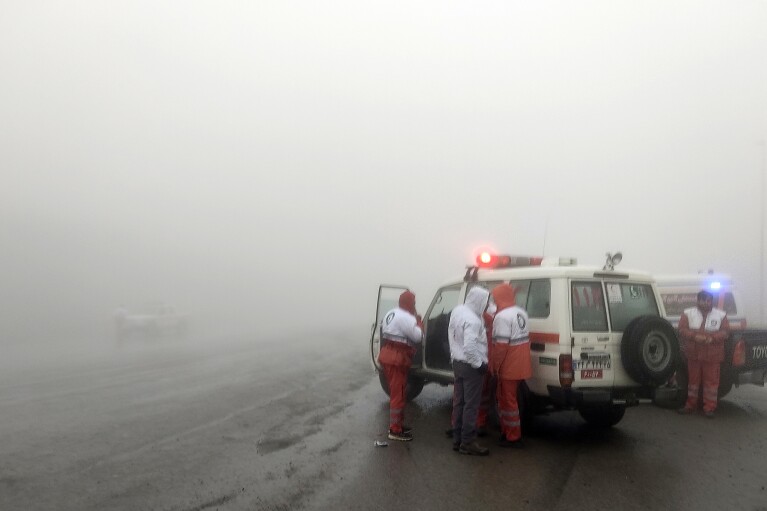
(650, 350)
(602, 416)
(526, 407)
(678, 399)
(413, 387)
(675, 395)
(725, 382)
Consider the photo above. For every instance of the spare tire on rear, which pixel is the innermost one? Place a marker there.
(650, 350)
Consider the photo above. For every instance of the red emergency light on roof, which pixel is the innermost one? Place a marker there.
(488, 260)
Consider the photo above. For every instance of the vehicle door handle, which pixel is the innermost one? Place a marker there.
(603, 339)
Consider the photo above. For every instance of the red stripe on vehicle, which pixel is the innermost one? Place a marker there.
(544, 337)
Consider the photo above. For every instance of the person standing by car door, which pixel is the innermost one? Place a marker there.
(488, 384)
(703, 330)
(510, 361)
(401, 328)
(468, 352)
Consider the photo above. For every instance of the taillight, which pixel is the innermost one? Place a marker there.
(566, 370)
(739, 354)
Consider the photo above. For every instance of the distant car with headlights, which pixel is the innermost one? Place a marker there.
(152, 321)
(599, 341)
(745, 360)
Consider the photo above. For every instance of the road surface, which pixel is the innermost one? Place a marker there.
(283, 424)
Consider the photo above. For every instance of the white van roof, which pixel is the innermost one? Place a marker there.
(709, 281)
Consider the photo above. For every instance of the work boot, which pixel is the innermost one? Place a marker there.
(402, 436)
(473, 449)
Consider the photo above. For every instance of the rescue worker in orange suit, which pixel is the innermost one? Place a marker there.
(703, 330)
(510, 361)
(401, 329)
(468, 352)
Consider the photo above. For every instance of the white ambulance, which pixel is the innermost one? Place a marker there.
(598, 337)
(679, 292)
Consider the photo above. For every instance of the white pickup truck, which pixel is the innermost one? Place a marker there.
(745, 359)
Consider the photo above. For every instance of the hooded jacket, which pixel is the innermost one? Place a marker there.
(401, 324)
(466, 331)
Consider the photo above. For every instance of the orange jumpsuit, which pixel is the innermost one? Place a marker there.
(400, 329)
(510, 362)
(703, 336)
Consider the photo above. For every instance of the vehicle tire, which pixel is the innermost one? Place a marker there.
(413, 387)
(526, 407)
(602, 416)
(678, 398)
(725, 382)
(650, 350)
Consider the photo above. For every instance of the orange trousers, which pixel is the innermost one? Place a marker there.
(508, 409)
(707, 374)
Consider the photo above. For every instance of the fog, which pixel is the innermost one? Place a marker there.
(263, 166)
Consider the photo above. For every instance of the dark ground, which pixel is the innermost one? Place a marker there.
(241, 425)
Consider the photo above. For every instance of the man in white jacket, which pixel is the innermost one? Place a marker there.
(468, 352)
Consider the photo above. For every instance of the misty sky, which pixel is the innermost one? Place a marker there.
(268, 164)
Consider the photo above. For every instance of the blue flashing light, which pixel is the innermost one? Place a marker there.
(715, 285)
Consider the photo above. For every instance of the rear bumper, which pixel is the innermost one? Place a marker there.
(573, 398)
(753, 377)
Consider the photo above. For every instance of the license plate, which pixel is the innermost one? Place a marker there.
(594, 361)
(590, 374)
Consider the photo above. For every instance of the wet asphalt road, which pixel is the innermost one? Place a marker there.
(290, 424)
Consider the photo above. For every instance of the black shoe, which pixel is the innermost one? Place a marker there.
(482, 432)
(449, 433)
(407, 429)
(473, 449)
(402, 437)
(456, 446)
(514, 444)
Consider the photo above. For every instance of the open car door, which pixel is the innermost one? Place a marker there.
(388, 298)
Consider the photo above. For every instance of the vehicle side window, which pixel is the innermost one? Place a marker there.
(534, 296)
(521, 291)
(437, 322)
(444, 301)
(539, 299)
(628, 301)
(729, 304)
(487, 284)
(588, 305)
(676, 303)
